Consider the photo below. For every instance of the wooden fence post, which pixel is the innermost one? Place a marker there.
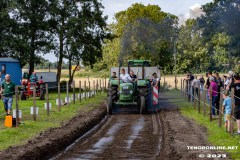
(194, 95)
(164, 83)
(100, 85)
(232, 113)
(67, 87)
(94, 91)
(85, 88)
(74, 94)
(89, 85)
(188, 91)
(184, 89)
(59, 98)
(17, 106)
(199, 98)
(34, 103)
(105, 88)
(211, 105)
(220, 108)
(204, 102)
(181, 88)
(47, 98)
(97, 86)
(80, 91)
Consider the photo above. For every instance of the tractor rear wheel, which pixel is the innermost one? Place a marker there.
(109, 105)
(142, 105)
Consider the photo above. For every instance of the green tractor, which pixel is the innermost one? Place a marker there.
(130, 94)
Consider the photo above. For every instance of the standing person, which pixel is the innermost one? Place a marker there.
(236, 87)
(220, 84)
(8, 89)
(227, 109)
(224, 79)
(189, 79)
(195, 82)
(230, 80)
(208, 75)
(214, 86)
(156, 81)
(202, 82)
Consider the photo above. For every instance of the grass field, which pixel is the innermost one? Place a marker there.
(30, 128)
(217, 136)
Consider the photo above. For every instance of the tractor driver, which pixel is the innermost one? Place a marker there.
(133, 76)
(125, 77)
(34, 77)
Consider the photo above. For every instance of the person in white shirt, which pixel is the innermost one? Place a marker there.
(125, 77)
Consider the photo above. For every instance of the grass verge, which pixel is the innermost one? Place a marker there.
(28, 130)
(216, 136)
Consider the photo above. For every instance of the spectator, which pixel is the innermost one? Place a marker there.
(227, 109)
(125, 77)
(156, 81)
(224, 79)
(133, 76)
(113, 75)
(195, 82)
(220, 84)
(202, 82)
(189, 80)
(8, 89)
(214, 87)
(34, 77)
(236, 87)
(208, 75)
(230, 80)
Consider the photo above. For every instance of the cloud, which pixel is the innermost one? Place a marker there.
(193, 12)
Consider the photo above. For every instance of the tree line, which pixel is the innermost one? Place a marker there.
(70, 29)
(210, 42)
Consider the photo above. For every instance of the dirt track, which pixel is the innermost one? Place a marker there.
(126, 135)
(165, 136)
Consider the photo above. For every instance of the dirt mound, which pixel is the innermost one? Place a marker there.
(54, 140)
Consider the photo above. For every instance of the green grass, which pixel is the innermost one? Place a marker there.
(216, 136)
(15, 136)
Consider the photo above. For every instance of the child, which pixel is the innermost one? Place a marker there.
(227, 109)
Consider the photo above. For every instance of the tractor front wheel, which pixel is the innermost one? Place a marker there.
(109, 105)
(142, 105)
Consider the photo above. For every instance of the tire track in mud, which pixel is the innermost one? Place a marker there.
(124, 136)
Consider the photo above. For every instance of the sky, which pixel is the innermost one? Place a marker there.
(184, 9)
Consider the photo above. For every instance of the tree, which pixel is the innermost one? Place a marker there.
(192, 52)
(5, 28)
(221, 17)
(79, 29)
(31, 34)
(141, 32)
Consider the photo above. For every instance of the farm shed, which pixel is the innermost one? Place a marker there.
(11, 66)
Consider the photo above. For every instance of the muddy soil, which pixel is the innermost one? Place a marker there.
(55, 139)
(165, 136)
